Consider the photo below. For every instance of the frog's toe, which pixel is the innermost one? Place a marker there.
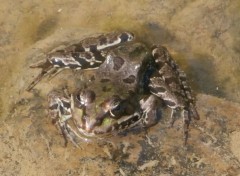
(174, 116)
(68, 133)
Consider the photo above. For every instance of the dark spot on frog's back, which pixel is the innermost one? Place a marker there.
(92, 78)
(129, 80)
(93, 48)
(102, 40)
(106, 89)
(171, 80)
(79, 48)
(105, 80)
(118, 63)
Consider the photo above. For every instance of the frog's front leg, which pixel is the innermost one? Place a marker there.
(47, 68)
(60, 110)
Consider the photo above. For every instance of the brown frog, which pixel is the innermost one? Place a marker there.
(127, 87)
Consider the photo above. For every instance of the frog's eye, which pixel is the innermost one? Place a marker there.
(85, 97)
(113, 105)
(116, 111)
(117, 108)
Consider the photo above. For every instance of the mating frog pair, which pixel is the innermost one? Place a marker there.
(128, 87)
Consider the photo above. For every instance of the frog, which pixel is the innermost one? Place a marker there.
(127, 85)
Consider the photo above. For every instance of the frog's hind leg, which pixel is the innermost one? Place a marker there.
(186, 123)
(168, 83)
(174, 116)
(41, 64)
(54, 72)
(48, 69)
(186, 117)
(43, 74)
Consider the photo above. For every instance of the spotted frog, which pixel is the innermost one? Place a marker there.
(128, 86)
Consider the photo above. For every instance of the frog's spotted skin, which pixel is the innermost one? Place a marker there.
(130, 83)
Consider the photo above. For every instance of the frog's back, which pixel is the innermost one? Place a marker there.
(123, 66)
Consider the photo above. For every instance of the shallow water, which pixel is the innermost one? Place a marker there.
(202, 36)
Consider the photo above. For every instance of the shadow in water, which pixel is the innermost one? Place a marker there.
(202, 71)
(46, 28)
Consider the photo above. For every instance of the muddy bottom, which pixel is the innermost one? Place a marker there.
(30, 145)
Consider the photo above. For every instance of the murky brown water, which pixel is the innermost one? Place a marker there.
(203, 36)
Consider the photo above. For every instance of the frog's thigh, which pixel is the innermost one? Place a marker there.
(159, 88)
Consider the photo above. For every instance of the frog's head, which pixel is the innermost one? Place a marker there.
(95, 111)
(113, 105)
